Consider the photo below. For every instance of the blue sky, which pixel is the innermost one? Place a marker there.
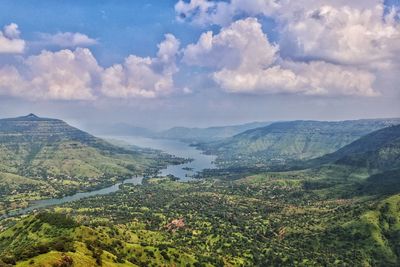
(199, 63)
(122, 27)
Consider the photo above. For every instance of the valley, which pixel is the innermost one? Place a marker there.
(200, 133)
(46, 158)
(340, 209)
(285, 143)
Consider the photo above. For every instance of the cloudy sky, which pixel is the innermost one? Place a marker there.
(199, 62)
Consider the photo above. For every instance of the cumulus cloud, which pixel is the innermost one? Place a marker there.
(10, 43)
(207, 12)
(65, 74)
(68, 39)
(344, 35)
(244, 61)
(143, 77)
(347, 32)
(323, 47)
(314, 78)
(241, 45)
(11, 31)
(76, 75)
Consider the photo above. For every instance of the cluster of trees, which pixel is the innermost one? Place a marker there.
(238, 223)
(263, 221)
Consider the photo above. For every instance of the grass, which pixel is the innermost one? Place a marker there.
(268, 219)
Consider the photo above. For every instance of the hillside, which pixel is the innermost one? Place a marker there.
(117, 129)
(207, 134)
(206, 223)
(185, 134)
(41, 157)
(336, 214)
(378, 150)
(282, 142)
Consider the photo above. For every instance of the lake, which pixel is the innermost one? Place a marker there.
(177, 148)
(173, 147)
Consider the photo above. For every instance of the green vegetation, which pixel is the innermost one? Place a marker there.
(42, 158)
(378, 150)
(283, 142)
(342, 210)
(265, 220)
(195, 135)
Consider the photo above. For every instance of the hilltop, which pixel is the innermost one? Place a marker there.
(44, 157)
(377, 150)
(283, 142)
(186, 134)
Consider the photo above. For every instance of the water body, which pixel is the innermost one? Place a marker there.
(57, 201)
(177, 148)
(182, 171)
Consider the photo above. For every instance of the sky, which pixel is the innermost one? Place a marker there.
(201, 63)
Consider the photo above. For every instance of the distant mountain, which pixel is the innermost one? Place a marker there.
(119, 129)
(42, 157)
(185, 134)
(377, 150)
(207, 134)
(296, 140)
(31, 129)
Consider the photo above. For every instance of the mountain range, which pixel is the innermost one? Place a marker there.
(185, 134)
(282, 142)
(340, 208)
(42, 157)
(378, 150)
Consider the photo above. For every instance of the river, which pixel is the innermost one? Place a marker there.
(177, 148)
(173, 147)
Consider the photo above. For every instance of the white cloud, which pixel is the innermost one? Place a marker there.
(242, 45)
(323, 78)
(209, 12)
(346, 32)
(76, 75)
(10, 43)
(68, 39)
(11, 31)
(65, 75)
(344, 35)
(244, 61)
(143, 77)
(314, 78)
(187, 91)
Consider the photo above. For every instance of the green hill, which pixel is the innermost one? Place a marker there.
(41, 157)
(207, 134)
(283, 142)
(378, 150)
(289, 226)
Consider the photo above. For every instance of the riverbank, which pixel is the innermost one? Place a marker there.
(184, 172)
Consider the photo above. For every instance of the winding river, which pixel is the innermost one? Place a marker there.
(173, 147)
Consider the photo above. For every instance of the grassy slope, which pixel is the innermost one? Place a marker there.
(377, 150)
(42, 240)
(48, 158)
(293, 222)
(378, 231)
(292, 140)
(332, 215)
(207, 134)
